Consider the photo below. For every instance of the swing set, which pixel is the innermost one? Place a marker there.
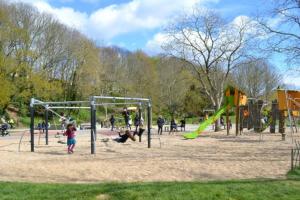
(91, 105)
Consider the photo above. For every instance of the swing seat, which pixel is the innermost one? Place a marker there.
(105, 140)
(141, 131)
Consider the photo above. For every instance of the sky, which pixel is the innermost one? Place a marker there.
(139, 24)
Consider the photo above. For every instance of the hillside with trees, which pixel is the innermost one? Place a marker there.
(42, 58)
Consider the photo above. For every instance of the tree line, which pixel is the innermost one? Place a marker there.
(42, 58)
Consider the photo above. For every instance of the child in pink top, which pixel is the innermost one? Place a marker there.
(70, 133)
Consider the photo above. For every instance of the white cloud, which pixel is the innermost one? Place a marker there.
(66, 1)
(66, 15)
(90, 1)
(153, 46)
(292, 81)
(27, 1)
(117, 19)
(136, 15)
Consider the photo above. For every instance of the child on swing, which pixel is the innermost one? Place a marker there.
(70, 133)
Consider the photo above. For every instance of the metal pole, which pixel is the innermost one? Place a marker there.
(121, 98)
(38, 101)
(69, 107)
(46, 124)
(140, 118)
(149, 124)
(289, 115)
(60, 102)
(117, 103)
(92, 126)
(95, 122)
(32, 124)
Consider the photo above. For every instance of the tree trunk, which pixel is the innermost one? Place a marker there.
(217, 122)
(217, 125)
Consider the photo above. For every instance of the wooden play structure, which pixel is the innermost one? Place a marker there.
(234, 98)
(289, 106)
(251, 116)
(252, 113)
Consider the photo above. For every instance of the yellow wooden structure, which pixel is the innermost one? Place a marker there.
(239, 97)
(288, 99)
(235, 98)
(294, 113)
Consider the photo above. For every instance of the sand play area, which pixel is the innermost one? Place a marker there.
(213, 156)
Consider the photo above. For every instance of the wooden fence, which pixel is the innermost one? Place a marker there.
(295, 156)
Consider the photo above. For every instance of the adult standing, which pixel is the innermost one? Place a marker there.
(182, 124)
(126, 117)
(112, 122)
(160, 124)
(173, 126)
(43, 126)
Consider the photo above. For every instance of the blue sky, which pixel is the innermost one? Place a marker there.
(138, 24)
(104, 21)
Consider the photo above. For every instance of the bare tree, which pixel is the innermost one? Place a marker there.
(211, 47)
(257, 78)
(282, 26)
(174, 82)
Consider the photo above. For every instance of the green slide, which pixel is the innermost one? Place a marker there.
(205, 124)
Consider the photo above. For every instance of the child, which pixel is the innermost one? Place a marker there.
(70, 133)
(173, 126)
(123, 137)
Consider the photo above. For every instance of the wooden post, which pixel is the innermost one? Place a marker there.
(227, 120)
(281, 122)
(242, 118)
(257, 116)
(251, 113)
(292, 159)
(273, 116)
(237, 115)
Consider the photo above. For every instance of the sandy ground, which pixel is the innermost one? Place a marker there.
(213, 156)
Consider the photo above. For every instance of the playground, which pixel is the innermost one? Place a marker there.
(211, 156)
(196, 154)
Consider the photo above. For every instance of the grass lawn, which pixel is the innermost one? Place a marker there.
(229, 190)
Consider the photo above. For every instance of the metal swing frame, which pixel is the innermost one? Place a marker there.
(91, 105)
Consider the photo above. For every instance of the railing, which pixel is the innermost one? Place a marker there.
(295, 156)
